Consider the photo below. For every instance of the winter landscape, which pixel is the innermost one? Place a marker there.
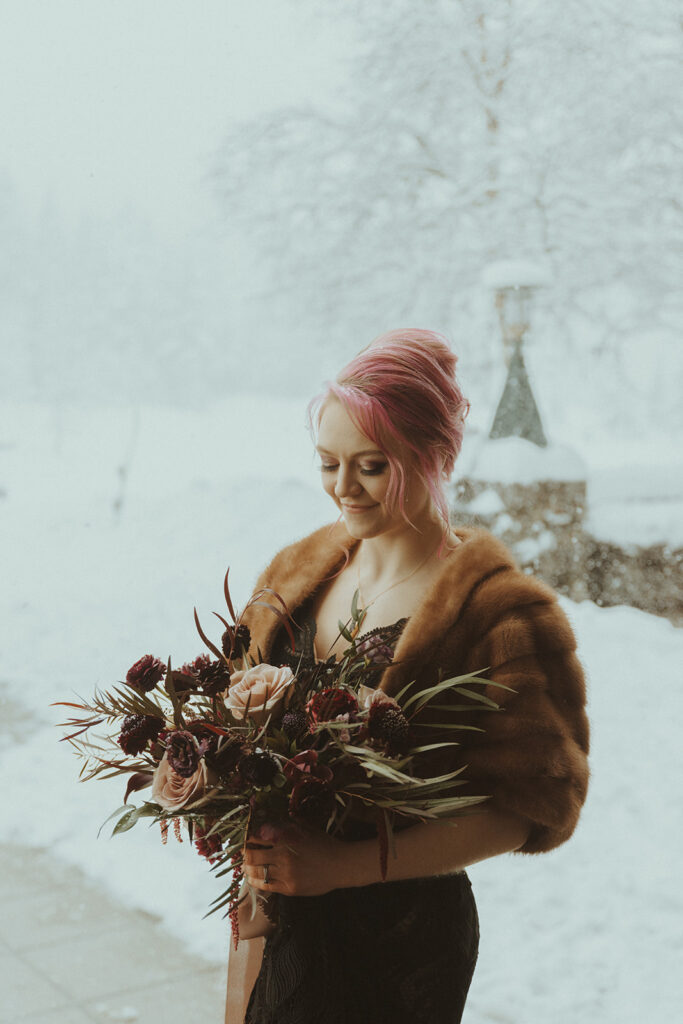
(341, 170)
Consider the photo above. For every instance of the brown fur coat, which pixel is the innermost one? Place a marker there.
(480, 612)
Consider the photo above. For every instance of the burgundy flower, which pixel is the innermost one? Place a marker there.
(214, 678)
(144, 675)
(327, 704)
(194, 667)
(182, 753)
(208, 846)
(312, 800)
(388, 724)
(136, 732)
(305, 764)
(294, 723)
(230, 751)
(207, 739)
(241, 639)
(258, 769)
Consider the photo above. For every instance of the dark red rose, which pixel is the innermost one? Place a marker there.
(137, 731)
(144, 675)
(182, 752)
(312, 800)
(327, 704)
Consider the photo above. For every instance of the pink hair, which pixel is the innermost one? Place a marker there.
(402, 394)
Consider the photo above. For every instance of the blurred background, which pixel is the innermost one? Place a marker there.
(205, 211)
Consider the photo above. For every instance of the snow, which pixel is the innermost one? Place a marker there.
(590, 931)
(179, 281)
(516, 274)
(512, 460)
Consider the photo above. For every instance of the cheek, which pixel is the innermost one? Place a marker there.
(328, 484)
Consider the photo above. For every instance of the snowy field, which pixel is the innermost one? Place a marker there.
(115, 523)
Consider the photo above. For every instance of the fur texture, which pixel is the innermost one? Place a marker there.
(480, 612)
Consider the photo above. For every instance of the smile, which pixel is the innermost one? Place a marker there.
(358, 508)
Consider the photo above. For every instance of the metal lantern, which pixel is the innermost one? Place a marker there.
(517, 413)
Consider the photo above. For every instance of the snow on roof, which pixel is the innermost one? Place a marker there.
(513, 460)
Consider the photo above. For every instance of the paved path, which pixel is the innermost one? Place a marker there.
(70, 955)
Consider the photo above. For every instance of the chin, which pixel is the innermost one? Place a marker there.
(357, 528)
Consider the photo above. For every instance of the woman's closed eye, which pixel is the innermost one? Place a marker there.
(373, 470)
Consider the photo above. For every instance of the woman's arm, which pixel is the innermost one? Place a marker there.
(310, 863)
(435, 848)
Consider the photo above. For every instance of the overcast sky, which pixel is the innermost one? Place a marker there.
(108, 104)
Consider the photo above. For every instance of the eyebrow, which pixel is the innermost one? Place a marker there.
(368, 451)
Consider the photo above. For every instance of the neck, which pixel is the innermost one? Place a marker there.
(397, 552)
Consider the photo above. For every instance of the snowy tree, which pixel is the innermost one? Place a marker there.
(472, 131)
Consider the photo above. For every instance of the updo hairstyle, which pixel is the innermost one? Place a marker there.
(401, 392)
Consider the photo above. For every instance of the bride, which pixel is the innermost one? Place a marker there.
(332, 942)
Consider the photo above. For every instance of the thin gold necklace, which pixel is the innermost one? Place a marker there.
(364, 607)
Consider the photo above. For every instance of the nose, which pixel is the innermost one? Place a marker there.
(346, 483)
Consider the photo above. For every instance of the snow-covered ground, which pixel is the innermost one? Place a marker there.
(115, 523)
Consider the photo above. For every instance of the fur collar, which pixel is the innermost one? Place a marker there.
(298, 569)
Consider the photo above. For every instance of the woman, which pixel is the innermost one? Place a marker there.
(347, 947)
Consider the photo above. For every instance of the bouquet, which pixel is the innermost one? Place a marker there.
(228, 744)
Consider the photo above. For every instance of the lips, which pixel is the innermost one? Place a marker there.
(357, 508)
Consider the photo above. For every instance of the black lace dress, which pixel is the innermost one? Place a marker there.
(400, 952)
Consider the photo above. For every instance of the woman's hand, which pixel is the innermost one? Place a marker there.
(300, 862)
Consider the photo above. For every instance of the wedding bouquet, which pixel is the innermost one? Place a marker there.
(229, 744)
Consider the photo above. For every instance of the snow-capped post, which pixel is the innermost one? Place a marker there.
(514, 282)
(528, 492)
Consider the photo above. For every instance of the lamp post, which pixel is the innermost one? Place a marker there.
(517, 413)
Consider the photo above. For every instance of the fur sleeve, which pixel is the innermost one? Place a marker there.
(532, 755)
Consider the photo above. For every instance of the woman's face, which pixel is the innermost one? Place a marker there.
(355, 474)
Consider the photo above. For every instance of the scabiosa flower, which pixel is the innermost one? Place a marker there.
(387, 723)
(241, 639)
(294, 723)
(214, 678)
(258, 769)
(327, 704)
(182, 753)
(144, 675)
(137, 731)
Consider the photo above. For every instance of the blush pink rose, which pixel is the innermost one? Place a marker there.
(263, 686)
(172, 791)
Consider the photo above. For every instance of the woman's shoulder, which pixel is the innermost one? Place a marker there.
(319, 546)
(483, 570)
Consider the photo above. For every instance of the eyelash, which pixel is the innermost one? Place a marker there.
(375, 471)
